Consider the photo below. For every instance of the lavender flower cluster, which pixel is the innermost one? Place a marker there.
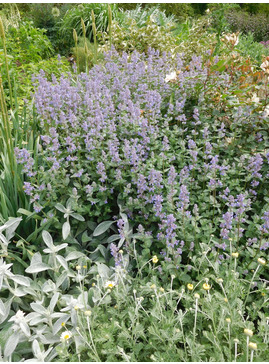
(123, 130)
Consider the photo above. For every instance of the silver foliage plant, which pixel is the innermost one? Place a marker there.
(51, 307)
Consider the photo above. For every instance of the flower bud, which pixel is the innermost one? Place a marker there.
(252, 346)
(248, 332)
(262, 261)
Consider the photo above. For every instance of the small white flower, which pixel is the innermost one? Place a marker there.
(65, 336)
(233, 38)
(110, 284)
(265, 66)
(171, 77)
(255, 99)
(266, 112)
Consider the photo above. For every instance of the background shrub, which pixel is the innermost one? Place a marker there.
(49, 17)
(248, 47)
(257, 24)
(26, 43)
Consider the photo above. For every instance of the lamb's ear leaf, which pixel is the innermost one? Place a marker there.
(66, 230)
(47, 239)
(11, 344)
(37, 267)
(103, 227)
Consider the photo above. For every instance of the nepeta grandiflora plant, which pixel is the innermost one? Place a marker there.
(179, 144)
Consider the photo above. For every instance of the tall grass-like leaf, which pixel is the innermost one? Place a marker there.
(15, 131)
(2, 35)
(94, 36)
(110, 25)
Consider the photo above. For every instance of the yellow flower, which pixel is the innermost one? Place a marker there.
(78, 267)
(197, 296)
(220, 280)
(93, 284)
(263, 294)
(153, 286)
(252, 346)
(248, 332)
(206, 286)
(228, 320)
(121, 251)
(76, 307)
(155, 259)
(62, 324)
(88, 313)
(235, 255)
(261, 261)
(85, 266)
(162, 289)
(225, 299)
(190, 286)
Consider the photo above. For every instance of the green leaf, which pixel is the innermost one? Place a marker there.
(11, 344)
(85, 238)
(37, 267)
(47, 239)
(103, 227)
(23, 263)
(77, 216)
(66, 230)
(24, 281)
(24, 212)
(113, 238)
(74, 255)
(60, 207)
(103, 270)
